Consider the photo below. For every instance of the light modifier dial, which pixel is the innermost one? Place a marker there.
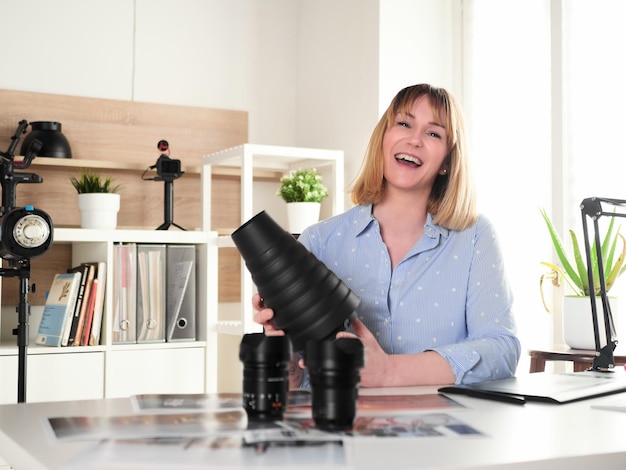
(31, 231)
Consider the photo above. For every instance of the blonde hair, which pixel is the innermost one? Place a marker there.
(452, 201)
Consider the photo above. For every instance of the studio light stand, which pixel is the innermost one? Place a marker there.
(25, 232)
(604, 360)
(167, 171)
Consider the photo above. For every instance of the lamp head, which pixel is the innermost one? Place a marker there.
(53, 142)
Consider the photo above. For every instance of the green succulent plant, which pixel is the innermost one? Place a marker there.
(302, 186)
(575, 273)
(92, 182)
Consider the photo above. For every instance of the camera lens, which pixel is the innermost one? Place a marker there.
(334, 371)
(265, 375)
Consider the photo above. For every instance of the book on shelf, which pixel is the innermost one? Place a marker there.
(72, 323)
(84, 337)
(94, 296)
(124, 285)
(59, 307)
(87, 271)
(98, 308)
(151, 293)
(181, 293)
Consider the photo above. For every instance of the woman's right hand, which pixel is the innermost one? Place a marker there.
(264, 316)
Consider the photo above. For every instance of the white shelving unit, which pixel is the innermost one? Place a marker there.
(117, 370)
(249, 158)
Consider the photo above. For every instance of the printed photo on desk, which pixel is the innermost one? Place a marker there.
(142, 426)
(201, 402)
(399, 425)
(382, 404)
(185, 402)
(200, 454)
(277, 445)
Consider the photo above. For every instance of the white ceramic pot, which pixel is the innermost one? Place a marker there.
(302, 214)
(98, 210)
(578, 321)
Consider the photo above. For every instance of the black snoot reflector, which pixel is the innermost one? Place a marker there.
(309, 301)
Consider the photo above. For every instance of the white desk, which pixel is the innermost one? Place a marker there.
(533, 436)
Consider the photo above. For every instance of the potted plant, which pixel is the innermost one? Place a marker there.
(577, 319)
(303, 191)
(98, 201)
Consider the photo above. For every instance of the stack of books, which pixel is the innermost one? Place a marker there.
(74, 307)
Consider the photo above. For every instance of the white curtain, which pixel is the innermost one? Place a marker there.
(544, 93)
(594, 81)
(506, 95)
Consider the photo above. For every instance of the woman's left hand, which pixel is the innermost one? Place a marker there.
(373, 374)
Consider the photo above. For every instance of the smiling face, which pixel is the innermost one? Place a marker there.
(415, 149)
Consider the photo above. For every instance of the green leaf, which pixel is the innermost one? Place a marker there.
(302, 186)
(91, 182)
(578, 278)
(570, 273)
(582, 279)
(618, 268)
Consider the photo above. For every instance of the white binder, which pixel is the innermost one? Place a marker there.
(151, 295)
(125, 293)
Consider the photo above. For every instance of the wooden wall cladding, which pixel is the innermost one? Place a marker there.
(126, 131)
(118, 139)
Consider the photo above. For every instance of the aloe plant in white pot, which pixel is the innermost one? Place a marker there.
(577, 318)
(303, 191)
(98, 201)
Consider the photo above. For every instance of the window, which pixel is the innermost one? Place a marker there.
(506, 97)
(544, 90)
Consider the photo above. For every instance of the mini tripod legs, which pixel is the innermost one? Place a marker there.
(168, 207)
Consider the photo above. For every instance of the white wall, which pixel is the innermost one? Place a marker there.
(420, 42)
(236, 54)
(338, 77)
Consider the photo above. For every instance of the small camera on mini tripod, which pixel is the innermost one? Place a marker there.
(167, 170)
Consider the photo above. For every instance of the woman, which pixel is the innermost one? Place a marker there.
(435, 304)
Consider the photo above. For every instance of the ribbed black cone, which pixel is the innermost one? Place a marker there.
(309, 301)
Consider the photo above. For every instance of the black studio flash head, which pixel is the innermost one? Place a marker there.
(25, 232)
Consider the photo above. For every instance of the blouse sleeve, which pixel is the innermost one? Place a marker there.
(492, 349)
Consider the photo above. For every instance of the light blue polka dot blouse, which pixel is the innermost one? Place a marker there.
(449, 293)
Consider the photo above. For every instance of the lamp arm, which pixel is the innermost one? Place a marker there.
(592, 208)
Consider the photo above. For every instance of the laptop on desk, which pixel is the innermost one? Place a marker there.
(545, 387)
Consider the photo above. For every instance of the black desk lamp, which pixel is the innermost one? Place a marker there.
(592, 208)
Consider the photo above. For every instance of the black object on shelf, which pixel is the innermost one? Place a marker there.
(54, 143)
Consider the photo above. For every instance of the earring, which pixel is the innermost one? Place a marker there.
(444, 171)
